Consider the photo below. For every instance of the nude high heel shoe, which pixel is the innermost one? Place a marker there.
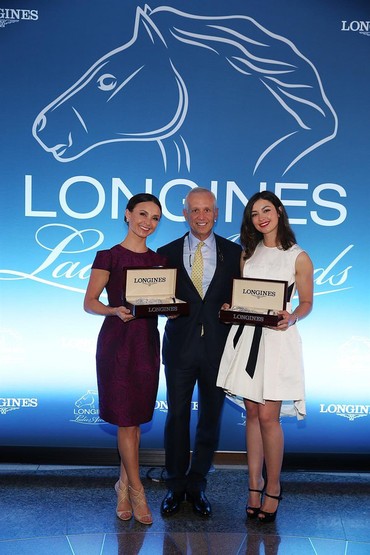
(122, 495)
(138, 500)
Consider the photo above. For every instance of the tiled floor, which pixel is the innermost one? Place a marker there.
(49, 510)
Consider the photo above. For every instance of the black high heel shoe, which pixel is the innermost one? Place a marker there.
(252, 512)
(270, 517)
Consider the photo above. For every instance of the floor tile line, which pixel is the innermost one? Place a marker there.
(102, 544)
(312, 545)
(70, 545)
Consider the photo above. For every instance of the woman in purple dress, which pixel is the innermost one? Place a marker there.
(128, 350)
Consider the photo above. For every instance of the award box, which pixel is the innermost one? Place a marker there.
(256, 302)
(151, 292)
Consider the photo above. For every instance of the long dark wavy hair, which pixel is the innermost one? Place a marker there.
(142, 197)
(250, 237)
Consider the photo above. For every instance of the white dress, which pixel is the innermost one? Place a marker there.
(279, 374)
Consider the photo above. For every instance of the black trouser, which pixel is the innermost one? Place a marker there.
(180, 387)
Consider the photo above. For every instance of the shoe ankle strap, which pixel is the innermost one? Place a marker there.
(277, 497)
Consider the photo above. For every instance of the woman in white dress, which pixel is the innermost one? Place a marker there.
(264, 365)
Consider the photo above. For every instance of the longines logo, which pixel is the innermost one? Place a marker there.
(243, 421)
(8, 404)
(86, 409)
(13, 15)
(346, 411)
(163, 407)
(259, 293)
(362, 27)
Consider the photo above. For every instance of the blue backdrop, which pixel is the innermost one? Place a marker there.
(101, 100)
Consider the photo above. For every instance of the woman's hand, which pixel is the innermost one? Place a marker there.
(286, 320)
(123, 313)
(172, 316)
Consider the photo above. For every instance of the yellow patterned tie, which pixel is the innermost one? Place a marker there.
(197, 269)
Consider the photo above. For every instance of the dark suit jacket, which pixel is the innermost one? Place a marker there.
(182, 334)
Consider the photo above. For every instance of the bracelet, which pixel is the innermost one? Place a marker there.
(296, 319)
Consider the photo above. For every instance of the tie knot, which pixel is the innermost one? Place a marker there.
(200, 245)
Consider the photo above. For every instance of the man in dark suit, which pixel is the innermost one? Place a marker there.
(192, 349)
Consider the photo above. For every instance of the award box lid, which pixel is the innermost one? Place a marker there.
(256, 302)
(143, 286)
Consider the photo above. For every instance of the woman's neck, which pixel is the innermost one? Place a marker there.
(269, 241)
(134, 244)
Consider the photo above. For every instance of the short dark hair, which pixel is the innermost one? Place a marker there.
(250, 237)
(142, 197)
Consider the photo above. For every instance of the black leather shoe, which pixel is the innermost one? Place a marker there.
(200, 503)
(171, 503)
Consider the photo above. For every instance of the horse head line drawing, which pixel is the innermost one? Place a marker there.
(115, 86)
(88, 398)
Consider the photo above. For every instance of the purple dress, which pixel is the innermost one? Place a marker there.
(127, 356)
